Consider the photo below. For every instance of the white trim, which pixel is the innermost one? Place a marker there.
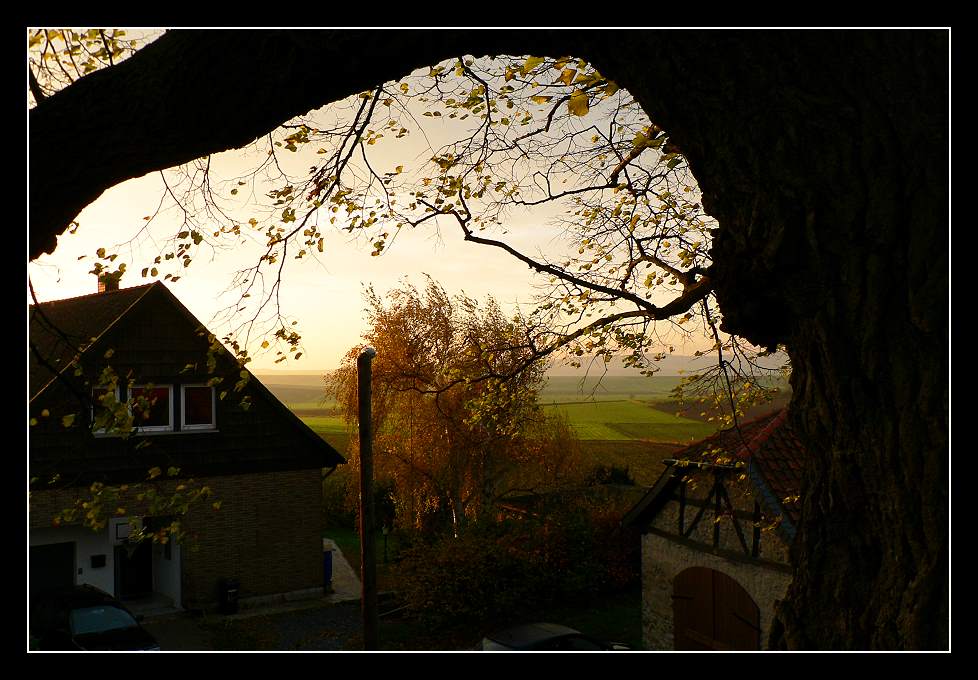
(183, 408)
(152, 428)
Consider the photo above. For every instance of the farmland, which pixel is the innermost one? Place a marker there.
(625, 421)
(629, 420)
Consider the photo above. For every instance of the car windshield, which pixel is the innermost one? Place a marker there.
(99, 619)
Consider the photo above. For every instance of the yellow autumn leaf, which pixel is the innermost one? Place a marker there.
(540, 99)
(567, 76)
(530, 64)
(578, 103)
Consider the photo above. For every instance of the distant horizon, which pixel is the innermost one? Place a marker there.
(671, 366)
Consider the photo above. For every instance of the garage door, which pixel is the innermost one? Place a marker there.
(52, 565)
(712, 611)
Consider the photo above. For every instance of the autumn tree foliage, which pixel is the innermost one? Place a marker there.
(456, 429)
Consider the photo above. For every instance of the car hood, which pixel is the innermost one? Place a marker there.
(121, 639)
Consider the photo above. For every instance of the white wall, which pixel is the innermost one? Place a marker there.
(87, 543)
(166, 572)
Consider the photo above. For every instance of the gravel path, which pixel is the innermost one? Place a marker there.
(332, 628)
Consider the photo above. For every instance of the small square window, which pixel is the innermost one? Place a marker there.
(198, 408)
(152, 408)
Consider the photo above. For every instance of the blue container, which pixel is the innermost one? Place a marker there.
(327, 569)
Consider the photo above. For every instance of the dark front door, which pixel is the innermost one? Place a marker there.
(712, 611)
(52, 565)
(134, 565)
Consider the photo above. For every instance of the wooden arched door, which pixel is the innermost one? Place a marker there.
(712, 611)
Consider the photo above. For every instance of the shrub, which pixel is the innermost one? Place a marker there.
(496, 572)
(337, 510)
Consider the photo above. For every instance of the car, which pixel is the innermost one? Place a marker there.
(546, 637)
(83, 617)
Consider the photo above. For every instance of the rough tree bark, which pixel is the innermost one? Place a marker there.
(823, 155)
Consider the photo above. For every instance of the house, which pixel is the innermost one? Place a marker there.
(716, 529)
(203, 421)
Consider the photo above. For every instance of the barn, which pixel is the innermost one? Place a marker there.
(717, 529)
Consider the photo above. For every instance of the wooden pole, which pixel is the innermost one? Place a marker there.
(368, 561)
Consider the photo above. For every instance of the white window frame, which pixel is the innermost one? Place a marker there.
(183, 408)
(151, 428)
(91, 413)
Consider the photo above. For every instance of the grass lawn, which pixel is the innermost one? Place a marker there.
(348, 541)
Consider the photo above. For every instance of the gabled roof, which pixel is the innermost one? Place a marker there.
(60, 327)
(775, 459)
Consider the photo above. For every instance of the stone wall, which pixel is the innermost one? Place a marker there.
(664, 558)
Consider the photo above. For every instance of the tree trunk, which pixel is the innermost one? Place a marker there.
(823, 155)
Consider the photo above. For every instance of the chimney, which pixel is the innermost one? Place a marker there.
(107, 282)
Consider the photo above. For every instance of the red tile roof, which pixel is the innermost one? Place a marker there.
(779, 457)
(775, 457)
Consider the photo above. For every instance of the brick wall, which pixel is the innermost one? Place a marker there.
(267, 534)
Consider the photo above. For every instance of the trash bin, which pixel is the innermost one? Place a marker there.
(328, 571)
(229, 596)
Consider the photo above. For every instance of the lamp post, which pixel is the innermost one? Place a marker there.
(368, 561)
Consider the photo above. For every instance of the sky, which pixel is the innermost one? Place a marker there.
(323, 294)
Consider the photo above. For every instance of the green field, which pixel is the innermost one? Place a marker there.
(331, 428)
(592, 421)
(613, 433)
(629, 420)
(564, 388)
(623, 421)
(559, 389)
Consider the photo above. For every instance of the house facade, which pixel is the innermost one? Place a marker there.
(717, 529)
(200, 421)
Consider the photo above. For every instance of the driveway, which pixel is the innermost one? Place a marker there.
(329, 623)
(313, 626)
